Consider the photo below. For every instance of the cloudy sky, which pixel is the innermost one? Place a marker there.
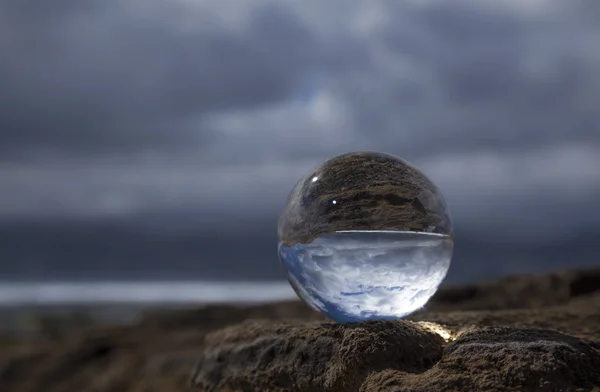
(199, 116)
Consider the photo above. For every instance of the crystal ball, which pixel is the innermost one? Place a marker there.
(365, 236)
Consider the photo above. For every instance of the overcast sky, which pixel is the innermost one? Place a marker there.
(209, 111)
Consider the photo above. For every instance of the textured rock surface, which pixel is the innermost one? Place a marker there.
(501, 359)
(543, 334)
(323, 357)
(396, 356)
(528, 333)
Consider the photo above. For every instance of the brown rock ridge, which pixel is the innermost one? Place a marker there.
(395, 356)
(527, 333)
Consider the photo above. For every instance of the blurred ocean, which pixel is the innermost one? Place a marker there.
(165, 292)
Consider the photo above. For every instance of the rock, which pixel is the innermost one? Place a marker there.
(502, 359)
(524, 333)
(395, 356)
(327, 357)
(518, 292)
(547, 341)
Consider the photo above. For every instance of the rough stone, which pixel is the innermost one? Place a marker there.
(523, 333)
(325, 357)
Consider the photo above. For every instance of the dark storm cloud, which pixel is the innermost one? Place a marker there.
(114, 74)
(213, 109)
(474, 76)
(495, 101)
(157, 139)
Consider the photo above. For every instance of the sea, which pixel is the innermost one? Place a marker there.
(32, 308)
(145, 292)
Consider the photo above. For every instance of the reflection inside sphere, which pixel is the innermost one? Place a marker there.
(365, 236)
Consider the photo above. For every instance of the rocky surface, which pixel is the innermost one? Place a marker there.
(527, 333)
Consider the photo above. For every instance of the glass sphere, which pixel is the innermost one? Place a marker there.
(365, 236)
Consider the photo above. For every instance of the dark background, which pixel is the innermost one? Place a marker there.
(158, 139)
